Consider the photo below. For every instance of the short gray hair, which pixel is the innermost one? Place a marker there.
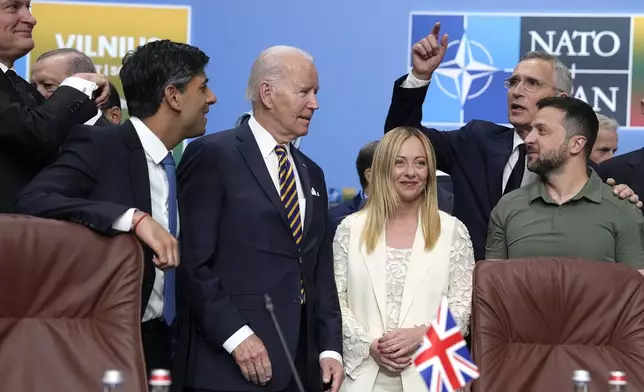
(269, 67)
(606, 122)
(79, 61)
(563, 76)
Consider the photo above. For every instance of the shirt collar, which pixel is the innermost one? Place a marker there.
(93, 120)
(152, 145)
(265, 140)
(592, 190)
(516, 141)
(4, 68)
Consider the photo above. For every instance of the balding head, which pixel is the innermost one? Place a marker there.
(273, 66)
(52, 67)
(282, 86)
(606, 144)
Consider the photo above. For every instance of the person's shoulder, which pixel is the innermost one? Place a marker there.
(103, 135)
(617, 205)
(518, 196)
(219, 137)
(620, 160)
(485, 128)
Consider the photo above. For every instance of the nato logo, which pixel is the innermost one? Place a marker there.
(483, 50)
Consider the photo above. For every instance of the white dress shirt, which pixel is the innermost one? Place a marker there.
(80, 84)
(267, 144)
(155, 151)
(528, 176)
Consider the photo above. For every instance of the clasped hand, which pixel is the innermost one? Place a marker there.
(394, 350)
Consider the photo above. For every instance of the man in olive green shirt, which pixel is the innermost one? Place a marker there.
(568, 211)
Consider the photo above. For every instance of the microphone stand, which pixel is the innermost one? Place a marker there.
(270, 308)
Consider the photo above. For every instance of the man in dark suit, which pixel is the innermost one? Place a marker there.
(363, 165)
(626, 168)
(32, 129)
(484, 160)
(121, 178)
(253, 218)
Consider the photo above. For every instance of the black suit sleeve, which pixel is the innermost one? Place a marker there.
(406, 109)
(201, 205)
(328, 312)
(46, 126)
(61, 191)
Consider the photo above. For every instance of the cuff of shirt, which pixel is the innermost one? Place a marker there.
(237, 338)
(414, 82)
(124, 222)
(80, 84)
(331, 354)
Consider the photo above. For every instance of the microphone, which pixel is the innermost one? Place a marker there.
(270, 308)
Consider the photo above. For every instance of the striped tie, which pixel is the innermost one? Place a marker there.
(288, 193)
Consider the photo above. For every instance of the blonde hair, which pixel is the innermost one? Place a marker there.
(384, 200)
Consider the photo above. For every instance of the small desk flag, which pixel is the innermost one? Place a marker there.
(443, 360)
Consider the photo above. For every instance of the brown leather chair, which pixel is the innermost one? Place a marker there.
(535, 321)
(69, 307)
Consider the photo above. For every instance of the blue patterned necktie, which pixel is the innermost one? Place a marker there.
(288, 194)
(168, 286)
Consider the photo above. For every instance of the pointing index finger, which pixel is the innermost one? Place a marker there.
(436, 30)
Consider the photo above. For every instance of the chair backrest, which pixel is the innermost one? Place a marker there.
(69, 307)
(535, 321)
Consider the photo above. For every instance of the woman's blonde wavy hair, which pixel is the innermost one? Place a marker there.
(383, 198)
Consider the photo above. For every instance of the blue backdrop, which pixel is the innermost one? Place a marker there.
(360, 48)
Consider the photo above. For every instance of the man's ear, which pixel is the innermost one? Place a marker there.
(266, 94)
(367, 175)
(577, 144)
(172, 96)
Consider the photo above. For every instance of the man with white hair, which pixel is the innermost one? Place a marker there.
(254, 224)
(606, 144)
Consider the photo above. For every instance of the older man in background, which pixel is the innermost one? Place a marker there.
(254, 222)
(54, 66)
(606, 143)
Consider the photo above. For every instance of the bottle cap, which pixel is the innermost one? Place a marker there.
(160, 377)
(112, 377)
(617, 378)
(581, 376)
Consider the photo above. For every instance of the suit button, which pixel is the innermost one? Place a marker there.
(297, 300)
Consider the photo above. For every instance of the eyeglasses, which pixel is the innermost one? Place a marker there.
(529, 84)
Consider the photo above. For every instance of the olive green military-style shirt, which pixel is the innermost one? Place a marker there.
(594, 225)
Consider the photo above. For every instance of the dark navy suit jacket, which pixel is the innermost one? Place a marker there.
(101, 173)
(236, 246)
(626, 169)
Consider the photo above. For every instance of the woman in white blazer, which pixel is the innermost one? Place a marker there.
(394, 261)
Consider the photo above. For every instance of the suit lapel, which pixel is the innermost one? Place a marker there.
(305, 180)
(253, 157)
(138, 165)
(376, 264)
(499, 148)
(420, 263)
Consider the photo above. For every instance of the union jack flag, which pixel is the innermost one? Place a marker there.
(443, 359)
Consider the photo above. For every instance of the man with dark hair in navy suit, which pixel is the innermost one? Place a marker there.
(363, 165)
(121, 178)
(485, 160)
